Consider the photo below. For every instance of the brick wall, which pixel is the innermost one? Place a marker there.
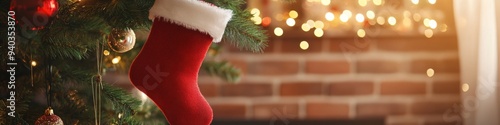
(342, 78)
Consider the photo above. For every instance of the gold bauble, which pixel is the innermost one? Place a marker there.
(121, 40)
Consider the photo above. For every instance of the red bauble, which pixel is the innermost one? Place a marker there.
(34, 14)
(49, 118)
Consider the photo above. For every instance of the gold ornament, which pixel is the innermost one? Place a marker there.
(121, 40)
(49, 118)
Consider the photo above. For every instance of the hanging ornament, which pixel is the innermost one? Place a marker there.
(121, 40)
(34, 14)
(49, 118)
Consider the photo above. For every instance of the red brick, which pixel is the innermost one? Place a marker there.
(300, 89)
(442, 123)
(351, 88)
(374, 66)
(246, 89)
(327, 111)
(327, 67)
(273, 67)
(268, 111)
(402, 88)
(407, 123)
(431, 108)
(293, 45)
(229, 111)
(421, 66)
(446, 88)
(449, 65)
(208, 89)
(380, 109)
(350, 45)
(240, 64)
(448, 43)
(439, 66)
(403, 121)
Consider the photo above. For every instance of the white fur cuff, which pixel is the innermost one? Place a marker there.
(193, 14)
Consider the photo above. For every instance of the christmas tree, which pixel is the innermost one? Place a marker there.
(55, 57)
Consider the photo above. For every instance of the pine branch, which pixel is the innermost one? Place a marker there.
(222, 70)
(121, 102)
(241, 31)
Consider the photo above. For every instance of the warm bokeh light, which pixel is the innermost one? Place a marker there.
(370, 14)
(278, 31)
(391, 20)
(310, 23)
(266, 21)
(325, 2)
(381, 20)
(432, 24)
(318, 32)
(290, 22)
(430, 72)
(406, 13)
(293, 14)
(415, 1)
(361, 33)
(417, 17)
(348, 13)
(305, 27)
(426, 22)
(329, 16)
(432, 1)
(377, 2)
(257, 20)
(443, 28)
(465, 87)
(407, 22)
(33, 63)
(428, 33)
(255, 12)
(279, 17)
(362, 3)
(304, 45)
(360, 18)
(116, 60)
(105, 52)
(319, 24)
(344, 18)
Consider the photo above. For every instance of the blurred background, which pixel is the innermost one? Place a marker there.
(352, 62)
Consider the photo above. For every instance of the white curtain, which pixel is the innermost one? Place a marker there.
(478, 28)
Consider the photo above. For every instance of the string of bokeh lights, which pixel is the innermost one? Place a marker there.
(414, 16)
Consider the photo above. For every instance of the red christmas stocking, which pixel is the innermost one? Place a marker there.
(167, 67)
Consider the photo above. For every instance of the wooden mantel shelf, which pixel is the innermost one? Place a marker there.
(379, 121)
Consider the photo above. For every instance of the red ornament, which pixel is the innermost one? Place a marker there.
(34, 14)
(266, 21)
(49, 118)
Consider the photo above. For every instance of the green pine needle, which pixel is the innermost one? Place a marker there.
(241, 31)
(223, 70)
